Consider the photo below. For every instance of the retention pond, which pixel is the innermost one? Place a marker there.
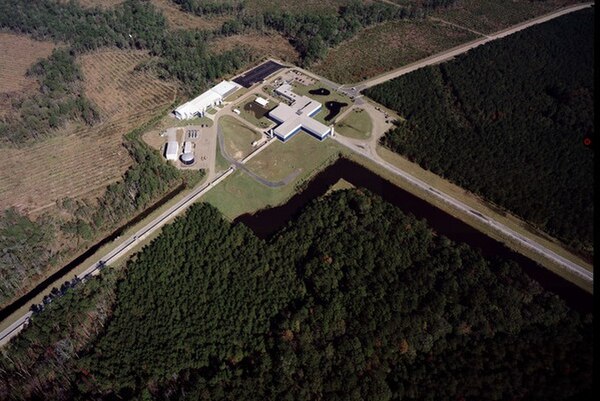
(267, 222)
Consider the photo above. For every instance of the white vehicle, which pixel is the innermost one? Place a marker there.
(236, 111)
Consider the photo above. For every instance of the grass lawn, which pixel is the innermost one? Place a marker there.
(356, 124)
(236, 95)
(341, 184)
(489, 16)
(237, 137)
(302, 152)
(387, 46)
(255, 114)
(221, 164)
(239, 193)
(333, 96)
(212, 111)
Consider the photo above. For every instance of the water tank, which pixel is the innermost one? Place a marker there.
(187, 158)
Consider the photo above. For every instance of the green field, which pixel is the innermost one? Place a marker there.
(255, 114)
(237, 137)
(340, 185)
(356, 124)
(236, 95)
(302, 152)
(387, 46)
(333, 96)
(239, 193)
(221, 164)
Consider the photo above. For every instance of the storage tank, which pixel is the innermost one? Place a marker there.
(187, 158)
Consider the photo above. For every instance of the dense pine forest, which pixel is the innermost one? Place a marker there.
(353, 300)
(508, 121)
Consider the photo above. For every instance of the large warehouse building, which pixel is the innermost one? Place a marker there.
(212, 97)
(297, 116)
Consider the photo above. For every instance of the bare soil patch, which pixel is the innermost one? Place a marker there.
(17, 54)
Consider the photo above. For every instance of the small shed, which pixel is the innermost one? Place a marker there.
(262, 101)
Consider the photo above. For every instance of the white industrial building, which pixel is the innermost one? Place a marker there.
(172, 150)
(297, 116)
(212, 97)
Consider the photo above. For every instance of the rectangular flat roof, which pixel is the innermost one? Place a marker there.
(172, 150)
(206, 99)
(224, 88)
(262, 101)
(258, 73)
(200, 103)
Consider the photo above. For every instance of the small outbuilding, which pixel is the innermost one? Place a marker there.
(262, 101)
(172, 150)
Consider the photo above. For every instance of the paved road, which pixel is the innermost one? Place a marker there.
(354, 89)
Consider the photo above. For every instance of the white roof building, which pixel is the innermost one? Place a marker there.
(225, 88)
(188, 147)
(285, 90)
(199, 105)
(262, 101)
(172, 150)
(298, 116)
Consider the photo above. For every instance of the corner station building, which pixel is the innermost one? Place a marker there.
(298, 116)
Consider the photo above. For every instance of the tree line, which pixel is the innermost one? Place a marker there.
(508, 121)
(352, 300)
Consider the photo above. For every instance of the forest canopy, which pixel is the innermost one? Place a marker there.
(323, 310)
(508, 121)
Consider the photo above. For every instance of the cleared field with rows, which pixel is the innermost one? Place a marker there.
(82, 161)
(489, 16)
(270, 44)
(387, 46)
(178, 19)
(119, 91)
(18, 53)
